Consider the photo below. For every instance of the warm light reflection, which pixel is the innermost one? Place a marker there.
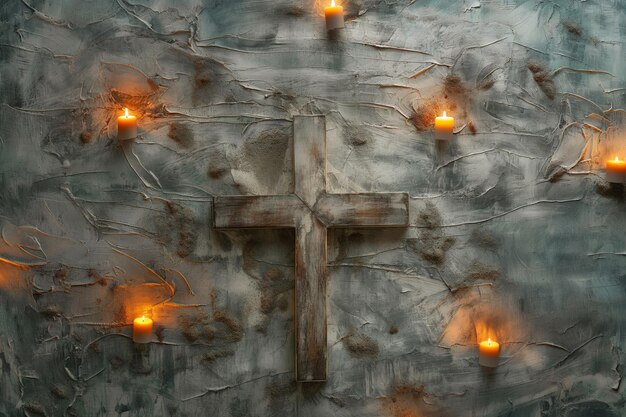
(140, 302)
(12, 275)
(486, 329)
(6, 261)
(484, 318)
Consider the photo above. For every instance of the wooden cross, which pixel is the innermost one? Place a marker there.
(310, 211)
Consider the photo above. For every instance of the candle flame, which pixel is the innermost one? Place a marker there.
(444, 114)
(616, 159)
(125, 111)
(489, 339)
(143, 318)
(332, 3)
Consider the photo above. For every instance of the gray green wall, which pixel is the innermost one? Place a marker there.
(513, 230)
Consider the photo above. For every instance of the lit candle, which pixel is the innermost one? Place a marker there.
(126, 126)
(142, 330)
(444, 126)
(489, 354)
(334, 16)
(616, 171)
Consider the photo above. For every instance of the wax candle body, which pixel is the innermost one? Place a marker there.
(444, 126)
(489, 353)
(616, 171)
(126, 126)
(334, 16)
(142, 330)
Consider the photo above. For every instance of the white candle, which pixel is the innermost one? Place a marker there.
(616, 171)
(126, 126)
(334, 16)
(142, 330)
(489, 353)
(444, 127)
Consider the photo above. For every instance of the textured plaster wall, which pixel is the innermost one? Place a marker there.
(513, 233)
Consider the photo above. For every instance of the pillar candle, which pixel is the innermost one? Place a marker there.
(616, 171)
(142, 330)
(489, 353)
(126, 126)
(334, 16)
(444, 126)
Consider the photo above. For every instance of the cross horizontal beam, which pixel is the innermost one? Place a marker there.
(372, 210)
(267, 211)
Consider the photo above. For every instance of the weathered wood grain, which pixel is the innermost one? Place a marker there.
(311, 278)
(310, 211)
(309, 154)
(345, 210)
(278, 211)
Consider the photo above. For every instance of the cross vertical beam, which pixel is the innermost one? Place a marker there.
(311, 280)
(309, 158)
(309, 147)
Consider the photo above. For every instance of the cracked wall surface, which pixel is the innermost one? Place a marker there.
(513, 231)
